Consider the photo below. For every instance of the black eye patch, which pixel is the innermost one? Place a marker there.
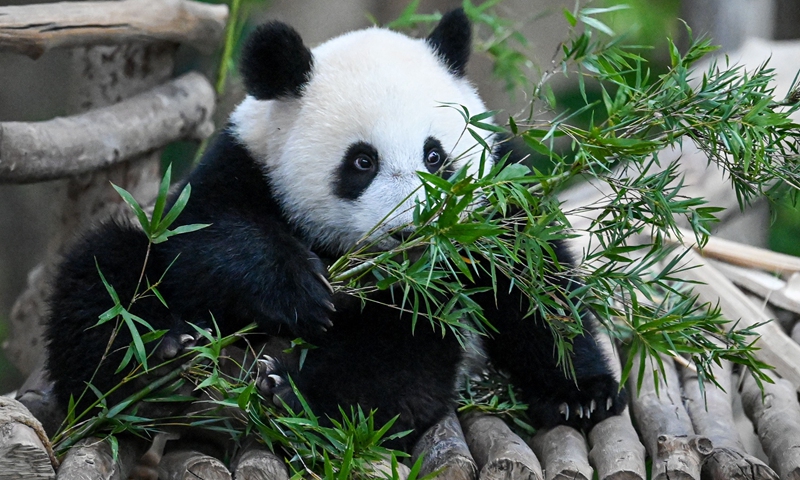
(435, 157)
(358, 168)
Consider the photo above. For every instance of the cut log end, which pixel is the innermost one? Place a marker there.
(445, 450)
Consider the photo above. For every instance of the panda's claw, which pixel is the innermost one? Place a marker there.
(609, 403)
(186, 340)
(276, 380)
(332, 308)
(580, 411)
(326, 283)
(592, 406)
(563, 409)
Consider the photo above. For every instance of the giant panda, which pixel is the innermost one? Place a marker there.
(325, 145)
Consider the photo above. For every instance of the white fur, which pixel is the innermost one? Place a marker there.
(372, 85)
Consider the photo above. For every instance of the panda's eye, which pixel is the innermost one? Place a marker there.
(434, 155)
(433, 158)
(364, 163)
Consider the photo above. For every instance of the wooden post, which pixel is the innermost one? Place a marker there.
(99, 76)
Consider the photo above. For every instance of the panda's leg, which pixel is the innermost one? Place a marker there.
(372, 359)
(78, 350)
(526, 348)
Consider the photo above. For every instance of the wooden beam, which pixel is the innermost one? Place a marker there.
(35, 29)
(67, 146)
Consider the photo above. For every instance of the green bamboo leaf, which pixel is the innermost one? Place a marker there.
(161, 198)
(140, 215)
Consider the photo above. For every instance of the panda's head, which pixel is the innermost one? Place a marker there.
(343, 129)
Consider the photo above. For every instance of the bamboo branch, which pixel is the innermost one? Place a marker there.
(35, 29)
(775, 347)
(67, 146)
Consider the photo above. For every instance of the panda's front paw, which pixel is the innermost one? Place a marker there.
(594, 400)
(306, 304)
(174, 344)
(273, 384)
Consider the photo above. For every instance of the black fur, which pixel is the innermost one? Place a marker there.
(452, 40)
(252, 264)
(275, 62)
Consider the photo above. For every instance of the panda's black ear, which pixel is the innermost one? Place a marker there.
(452, 40)
(275, 62)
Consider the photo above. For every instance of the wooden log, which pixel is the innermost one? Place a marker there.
(98, 76)
(191, 465)
(445, 450)
(712, 417)
(775, 347)
(744, 255)
(35, 29)
(616, 452)
(780, 293)
(67, 146)
(257, 462)
(563, 453)
(498, 452)
(664, 424)
(776, 417)
(38, 397)
(92, 459)
(383, 469)
(25, 450)
(146, 467)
